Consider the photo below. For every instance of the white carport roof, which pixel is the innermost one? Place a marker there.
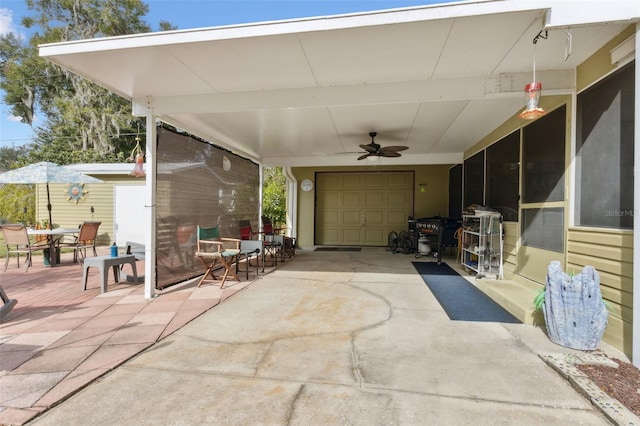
(307, 92)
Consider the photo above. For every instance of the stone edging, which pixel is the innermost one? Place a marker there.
(611, 408)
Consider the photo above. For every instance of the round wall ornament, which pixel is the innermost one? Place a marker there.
(306, 185)
(76, 192)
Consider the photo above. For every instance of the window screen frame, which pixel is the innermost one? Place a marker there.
(474, 179)
(604, 152)
(502, 190)
(544, 158)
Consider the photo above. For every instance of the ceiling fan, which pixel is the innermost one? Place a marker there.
(374, 149)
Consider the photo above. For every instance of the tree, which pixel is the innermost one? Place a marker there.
(10, 157)
(17, 204)
(82, 121)
(274, 196)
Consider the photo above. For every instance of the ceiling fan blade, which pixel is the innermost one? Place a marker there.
(389, 154)
(369, 148)
(395, 148)
(362, 157)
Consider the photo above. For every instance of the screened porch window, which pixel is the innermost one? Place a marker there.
(543, 158)
(503, 176)
(604, 152)
(474, 179)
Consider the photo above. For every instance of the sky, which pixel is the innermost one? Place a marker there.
(186, 14)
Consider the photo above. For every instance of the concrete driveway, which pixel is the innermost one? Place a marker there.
(349, 338)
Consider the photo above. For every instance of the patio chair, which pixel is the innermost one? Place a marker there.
(249, 249)
(16, 240)
(215, 252)
(270, 245)
(246, 231)
(86, 239)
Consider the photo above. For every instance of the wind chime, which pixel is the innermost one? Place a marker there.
(138, 159)
(532, 90)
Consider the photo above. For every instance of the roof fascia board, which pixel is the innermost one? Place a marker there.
(504, 85)
(565, 14)
(53, 51)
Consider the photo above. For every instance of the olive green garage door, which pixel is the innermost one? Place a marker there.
(361, 208)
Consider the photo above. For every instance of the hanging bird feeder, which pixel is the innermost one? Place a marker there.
(533, 90)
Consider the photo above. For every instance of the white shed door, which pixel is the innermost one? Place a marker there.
(128, 214)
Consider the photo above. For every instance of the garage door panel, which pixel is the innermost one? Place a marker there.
(373, 236)
(329, 218)
(352, 180)
(351, 199)
(398, 198)
(352, 235)
(399, 180)
(377, 180)
(329, 181)
(374, 217)
(374, 199)
(351, 218)
(329, 236)
(332, 199)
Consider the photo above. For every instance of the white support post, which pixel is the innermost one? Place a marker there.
(150, 209)
(292, 202)
(635, 350)
(260, 193)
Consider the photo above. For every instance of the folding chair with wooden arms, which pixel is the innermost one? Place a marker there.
(16, 241)
(86, 239)
(215, 251)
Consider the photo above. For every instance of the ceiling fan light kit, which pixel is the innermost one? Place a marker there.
(375, 150)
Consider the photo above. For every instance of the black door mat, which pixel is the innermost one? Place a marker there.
(460, 299)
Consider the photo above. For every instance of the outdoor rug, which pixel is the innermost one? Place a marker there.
(459, 298)
(338, 249)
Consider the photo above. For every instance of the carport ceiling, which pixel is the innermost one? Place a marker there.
(307, 92)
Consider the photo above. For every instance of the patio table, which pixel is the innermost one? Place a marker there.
(52, 235)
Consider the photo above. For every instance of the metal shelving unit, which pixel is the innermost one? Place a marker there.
(482, 244)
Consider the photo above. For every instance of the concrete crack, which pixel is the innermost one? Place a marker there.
(292, 408)
(355, 362)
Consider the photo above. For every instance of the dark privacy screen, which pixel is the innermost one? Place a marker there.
(198, 184)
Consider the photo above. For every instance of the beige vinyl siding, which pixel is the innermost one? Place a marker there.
(69, 214)
(610, 251)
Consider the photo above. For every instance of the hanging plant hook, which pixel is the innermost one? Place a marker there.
(541, 36)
